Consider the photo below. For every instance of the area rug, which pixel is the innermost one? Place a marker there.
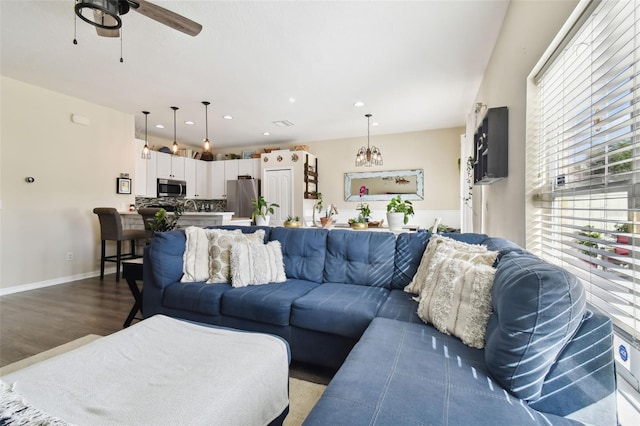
(303, 395)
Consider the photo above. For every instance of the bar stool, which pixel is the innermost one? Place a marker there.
(111, 229)
(148, 214)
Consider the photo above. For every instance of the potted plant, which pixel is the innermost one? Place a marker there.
(327, 219)
(398, 212)
(292, 222)
(162, 222)
(262, 211)
(365, 211)
(358, 223)
(622, 228)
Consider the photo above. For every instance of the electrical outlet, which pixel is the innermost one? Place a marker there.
(69, 256)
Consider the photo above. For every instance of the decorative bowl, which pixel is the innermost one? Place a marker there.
(358, 225)
(293, 224)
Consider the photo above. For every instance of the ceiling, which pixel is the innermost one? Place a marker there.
(416, 65)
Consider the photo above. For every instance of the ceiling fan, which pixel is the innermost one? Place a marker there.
(105, 16)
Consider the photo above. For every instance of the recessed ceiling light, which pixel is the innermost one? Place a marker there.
(190, 123)
(358, 104)
(266, 134)
(159, 126)
(375, 123)
(292, 100)
(227, 117)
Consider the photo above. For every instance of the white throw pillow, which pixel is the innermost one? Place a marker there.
(254, 264)
(195, 261)
(456, 249)
(220, 244)
(458, 302)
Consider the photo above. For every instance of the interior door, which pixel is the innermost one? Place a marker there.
(277, 187)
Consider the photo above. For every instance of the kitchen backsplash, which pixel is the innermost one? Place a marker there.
(203, 205)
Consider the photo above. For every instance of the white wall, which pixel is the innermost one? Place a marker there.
(75, 169)
(435, 151)
(528, 29)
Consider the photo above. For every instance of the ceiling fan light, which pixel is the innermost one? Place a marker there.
(95, 12)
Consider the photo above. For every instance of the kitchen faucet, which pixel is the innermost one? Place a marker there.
(192, 202)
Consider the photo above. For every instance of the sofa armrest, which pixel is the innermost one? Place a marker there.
(581, 384)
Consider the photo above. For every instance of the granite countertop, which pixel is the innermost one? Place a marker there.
(192, 213)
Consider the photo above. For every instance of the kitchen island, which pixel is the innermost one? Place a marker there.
(133, 220)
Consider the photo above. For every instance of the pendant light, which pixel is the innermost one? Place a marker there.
(146, 151)
(207, 143)
(174, 147)
(369, 156)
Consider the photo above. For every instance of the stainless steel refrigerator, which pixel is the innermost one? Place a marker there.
(240, 193)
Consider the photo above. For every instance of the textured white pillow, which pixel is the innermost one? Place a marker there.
(456, 249)
(220, 244)
(459, 301)
(255, 264)
(195, 261)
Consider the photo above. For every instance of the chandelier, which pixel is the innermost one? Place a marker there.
(369, 156)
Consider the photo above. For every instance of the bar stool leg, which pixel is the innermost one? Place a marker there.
(118, 259)
(102, 259)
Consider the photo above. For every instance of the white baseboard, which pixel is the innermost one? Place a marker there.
(54, 281)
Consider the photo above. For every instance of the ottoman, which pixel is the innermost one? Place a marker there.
(161, 371)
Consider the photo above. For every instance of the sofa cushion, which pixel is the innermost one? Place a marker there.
(537, 309)
(411, 374)
(342, 309)
(303, 250)
(165, 253)
(196, 297)
(409, 249)
(457, 300)
(502, 246)
(363, 258)
(256, 264)
(268, 303)
(401, 306)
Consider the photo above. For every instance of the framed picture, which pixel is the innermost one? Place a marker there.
(247, 154)
(123, 185)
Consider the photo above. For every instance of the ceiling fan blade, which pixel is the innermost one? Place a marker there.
(167, 17)
(105, 20)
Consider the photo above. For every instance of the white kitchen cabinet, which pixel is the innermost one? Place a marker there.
(249, 167)
(170, 166)
(196, 174)
(144, 184)
(217, 180)
(231, 169)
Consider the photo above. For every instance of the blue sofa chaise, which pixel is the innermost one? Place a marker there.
(547, 358)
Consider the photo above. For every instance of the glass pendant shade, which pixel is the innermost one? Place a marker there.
(174, 147)
(146, 151)
(207, 143)
(369, 156)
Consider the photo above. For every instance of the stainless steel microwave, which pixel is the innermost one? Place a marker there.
(172, 188)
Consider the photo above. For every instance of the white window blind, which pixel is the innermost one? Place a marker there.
(586, 145)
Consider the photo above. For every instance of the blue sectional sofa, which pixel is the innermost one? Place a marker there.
(547, 359)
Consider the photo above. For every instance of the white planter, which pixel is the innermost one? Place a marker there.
(262, 221)
(395, 221)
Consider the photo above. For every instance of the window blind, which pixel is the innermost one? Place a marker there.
(586, 146)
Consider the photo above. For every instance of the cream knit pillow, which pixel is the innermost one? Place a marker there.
(255, 264)
(220, 244)
(195, 261)
(454, 249)
(458, 302)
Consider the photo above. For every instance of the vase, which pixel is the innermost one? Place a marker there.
(326, 221)
(395, 221)
(262, 221)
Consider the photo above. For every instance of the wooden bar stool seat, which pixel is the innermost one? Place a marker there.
(111, 230)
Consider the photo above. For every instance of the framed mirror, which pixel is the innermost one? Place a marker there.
(382, 186)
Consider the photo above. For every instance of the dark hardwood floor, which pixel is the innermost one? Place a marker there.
(37, 320)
